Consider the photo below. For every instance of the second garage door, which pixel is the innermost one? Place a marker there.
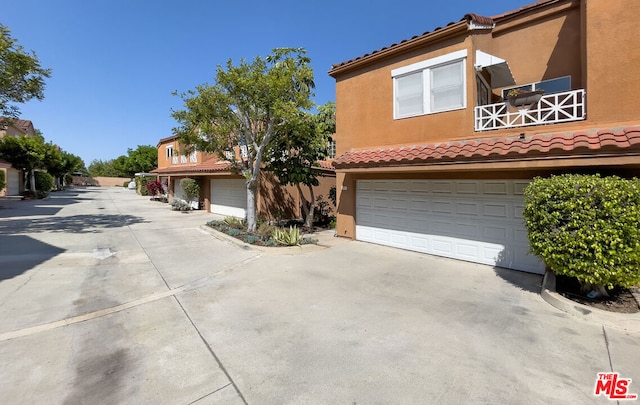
(229, 197)
(475, 220)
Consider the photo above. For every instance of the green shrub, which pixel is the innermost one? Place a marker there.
(191, 189)
(265, 230)
(180, 205)
(2, 180)
(251, 239)
(125, 184)
(44, 184)
(141, 184)
(288, 238)
(587, 227)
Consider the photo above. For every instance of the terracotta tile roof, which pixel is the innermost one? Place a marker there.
(22, 125)
(212, 165)
(167, 139)
(605, 141)
(326, 164)
(469, 18)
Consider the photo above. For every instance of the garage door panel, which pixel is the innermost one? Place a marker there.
(442, 206)
(495, 210)
(468, 230)
(467, 208)
(442, 187)
(470, 220)
(229, 197)
(496, 187)
(495, 233)
(468, 187)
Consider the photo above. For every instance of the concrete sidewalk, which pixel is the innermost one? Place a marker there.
(126, 301)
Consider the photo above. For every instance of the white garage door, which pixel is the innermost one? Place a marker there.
(229, 197)
(13, 181)
(477, 221)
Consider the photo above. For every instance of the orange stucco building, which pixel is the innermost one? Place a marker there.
(13, 177)
(435, 147)
(223, 191)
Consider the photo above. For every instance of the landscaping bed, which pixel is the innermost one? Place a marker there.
(619, 300)
(266, 234)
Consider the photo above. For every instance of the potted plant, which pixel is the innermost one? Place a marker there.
(521, 97)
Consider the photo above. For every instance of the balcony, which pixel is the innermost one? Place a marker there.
(551, 109)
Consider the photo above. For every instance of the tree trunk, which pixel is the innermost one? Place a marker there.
(252, 190)
(32, 181)
(304, 204)
(312, 207)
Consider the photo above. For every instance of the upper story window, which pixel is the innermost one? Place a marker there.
(229, 154)
(193, 157)
(557, 85)
(244, 151)
(430, 86)
(168, 152)
(331, 150)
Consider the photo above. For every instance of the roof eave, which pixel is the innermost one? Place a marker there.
(449, 31)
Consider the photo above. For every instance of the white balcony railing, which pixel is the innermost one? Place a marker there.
(174, 160)
(551, 109)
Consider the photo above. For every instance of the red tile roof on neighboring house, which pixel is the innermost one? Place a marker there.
(470, 18)
(212, 165)
(326, 164)
(613, 141)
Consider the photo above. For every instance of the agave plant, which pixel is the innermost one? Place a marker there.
(288, 238)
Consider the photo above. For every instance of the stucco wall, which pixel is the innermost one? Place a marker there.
(100, 181)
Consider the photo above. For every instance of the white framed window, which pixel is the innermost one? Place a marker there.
(229, 154)
(168, 152)
(430, 86)
(244, 151)
(193, 157)
(183, 159)
(331, 150)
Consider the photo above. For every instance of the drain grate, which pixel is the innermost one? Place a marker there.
(102, 253)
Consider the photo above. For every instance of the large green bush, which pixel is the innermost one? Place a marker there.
(587, 227)
(191, 189)
(2, 180)
(44, 183)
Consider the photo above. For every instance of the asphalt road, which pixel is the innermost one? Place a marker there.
(109, 298)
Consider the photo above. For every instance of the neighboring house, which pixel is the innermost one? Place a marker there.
(434, 157)
(224, 192)
(13, 176)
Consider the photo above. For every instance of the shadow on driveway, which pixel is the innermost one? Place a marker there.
(73, 224)
(48, 206)
(19, 253)
(525, 281)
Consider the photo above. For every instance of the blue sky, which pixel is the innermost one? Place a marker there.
(116, 62)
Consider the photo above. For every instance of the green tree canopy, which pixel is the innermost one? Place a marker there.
(21, 76)
(142, 159)
(249, 105)
(26, 153)
(294, 158)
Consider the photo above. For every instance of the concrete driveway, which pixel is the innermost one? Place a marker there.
(107, 297)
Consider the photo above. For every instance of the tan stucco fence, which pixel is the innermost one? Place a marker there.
(100, 181)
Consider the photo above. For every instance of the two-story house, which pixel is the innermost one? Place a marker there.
(222, 190)
(13, 177)
(435, 148)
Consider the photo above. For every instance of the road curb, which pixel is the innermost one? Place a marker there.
(628, 322)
